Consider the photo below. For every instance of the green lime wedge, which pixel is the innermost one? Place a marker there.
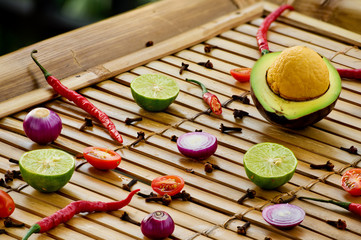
(154, 92)
(269, 165)
(47, 170)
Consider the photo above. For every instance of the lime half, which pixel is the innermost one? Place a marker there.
(47, 170)
(269, 165)
(154, 92)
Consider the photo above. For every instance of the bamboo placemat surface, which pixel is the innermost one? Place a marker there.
(213, 212)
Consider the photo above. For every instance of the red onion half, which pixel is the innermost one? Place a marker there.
(157, 225)
(198, 145)
(283, 215)
(42, 125)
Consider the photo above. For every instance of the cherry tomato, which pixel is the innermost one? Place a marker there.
(101, 158)
(241, 74)
(351, 181)
(7, 205)
(170, 184)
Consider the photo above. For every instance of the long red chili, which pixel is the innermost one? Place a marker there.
(350, 73)
(211, 99)
(262, 30)
(352, 207)
(80, 101)
(65, 214)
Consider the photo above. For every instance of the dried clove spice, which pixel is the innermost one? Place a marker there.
(239, 113)
(209, 167)
(4, 184)
(14, 161)
(2, 231)
(242, 98)
(207, 64)
(208, 48)
(143, 195)
(198, 130)
(129, 121)
(327, 166)
(183, 195)
(352, 149)
(242, 230)
(228, 129)
(183, 67)
(127, 218)
(340, 224)
(174, 138)
(249, 194)
(8, 222)
(165, 199)
(87, 124)
(149, 44)
(11, 175)
(129, 185)
(140, 137)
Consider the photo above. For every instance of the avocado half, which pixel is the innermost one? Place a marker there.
(287, 113)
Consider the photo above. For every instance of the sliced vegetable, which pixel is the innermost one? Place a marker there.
(157, 225)
(283, 215)
(169, 184)
(241, 74)
(42, 125)
(102, 158)
(351, 181)
(7, 205)
(197, 145)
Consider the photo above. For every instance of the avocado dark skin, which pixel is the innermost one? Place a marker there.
(287, 113)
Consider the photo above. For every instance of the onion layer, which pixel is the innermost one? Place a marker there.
(157, 225)
(283, 215)
(198, 145)
(42, 125)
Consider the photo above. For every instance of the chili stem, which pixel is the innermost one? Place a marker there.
(204, 89)
(344, 205)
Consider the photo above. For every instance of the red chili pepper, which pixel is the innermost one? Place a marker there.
(211, 99)
(80, 101)
(65, 214)
(262, 30)
(350, 73)
(352, 207)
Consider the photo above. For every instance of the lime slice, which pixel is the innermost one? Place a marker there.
(47, 170)
(154, 92)
(269, 165)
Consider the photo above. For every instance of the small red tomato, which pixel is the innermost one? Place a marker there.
(241, 74)
(7, 205)
(351, 181)
(102, 158)
(170, 184)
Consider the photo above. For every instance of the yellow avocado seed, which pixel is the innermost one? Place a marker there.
(298, 74)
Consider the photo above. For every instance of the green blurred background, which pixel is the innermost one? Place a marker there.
(24, 22)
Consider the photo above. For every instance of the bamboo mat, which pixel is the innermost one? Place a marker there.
(213, 212)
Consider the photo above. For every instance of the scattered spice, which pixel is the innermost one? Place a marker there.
(182, 195)
(267, 238)
(8, 222)
(174, 138)
(14, 161)
(228, 129)
(87, 124)
(165, 199)
(242, 230)
(207, 64)
(129, 121)
(209, 167)
(129, 185)
(140, 137)
(183, 68)
(127, 218)
(237, 113)
(198, 130)
(242, 98)
(189, 170)
(327, 166)
(149, 44)
(4, 184)
(208, 48)
(250, 193)
(352, 149)
(2, 231)
(143, 195)
(11, 175)
(340, 224)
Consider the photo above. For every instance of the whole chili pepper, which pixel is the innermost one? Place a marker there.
(211, 99)
(350, 73)
(65, 214)
(262, 30)
(352, 207)
(80, 101)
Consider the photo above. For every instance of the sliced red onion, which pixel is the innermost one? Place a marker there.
(198, 145)
(157, 225)
(283, 215)
(42, 125)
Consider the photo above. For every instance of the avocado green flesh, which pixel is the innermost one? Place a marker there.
(273, 103)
